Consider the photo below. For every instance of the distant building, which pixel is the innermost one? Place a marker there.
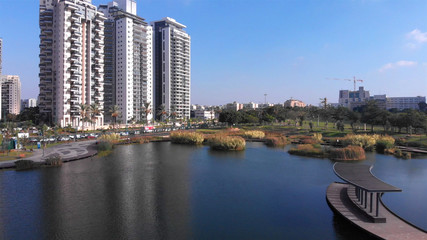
(203, 114)
(352, 99)
(265, 105)
(10, 94)
(27, 103)
(250, 105)
(294, 103)
(381, 100)
(401, 103)
(234, 106)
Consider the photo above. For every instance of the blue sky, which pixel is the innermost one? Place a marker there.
(242, 49)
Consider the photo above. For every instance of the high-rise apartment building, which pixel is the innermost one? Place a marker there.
(71, 60)
(1, 54)
(10, 95)
(128, 61)
(28, 103)
(172, 66)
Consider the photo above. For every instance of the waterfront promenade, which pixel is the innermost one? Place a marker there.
(68, 152)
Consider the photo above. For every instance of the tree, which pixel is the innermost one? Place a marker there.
(146, 110)
(371, 114)
(173, 114)
(114, 111)
(84, 114)
(95, 112)
(230, 116)
(161, 112)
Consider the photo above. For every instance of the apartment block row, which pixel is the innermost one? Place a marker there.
(352, 99)
(109, 56)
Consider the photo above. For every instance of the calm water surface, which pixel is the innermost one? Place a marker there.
(166, 191)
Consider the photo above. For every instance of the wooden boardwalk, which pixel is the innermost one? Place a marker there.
(394, 228)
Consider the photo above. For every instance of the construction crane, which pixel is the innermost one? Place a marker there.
(347, 79)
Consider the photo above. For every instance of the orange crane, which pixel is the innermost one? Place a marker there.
(347, 79)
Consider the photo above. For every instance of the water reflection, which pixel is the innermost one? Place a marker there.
(166, 191)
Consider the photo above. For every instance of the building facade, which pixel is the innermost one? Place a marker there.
(10, 95)
(128, 61)
(71, 61)
(401, 103)
(172, 66)
(28, 103)
(234, 106)
(294, 103)
(353, 99)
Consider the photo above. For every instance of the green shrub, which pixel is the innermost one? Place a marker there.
(384, 143)
(367, 142)
(279, 141)
(347, 153)
(25, 165)
(308, 150)
(254, 134)
(220, 142)
(181, 137)
(54, 160)
(111, 138)
(406, 155)
(104, 146)
(317, 137)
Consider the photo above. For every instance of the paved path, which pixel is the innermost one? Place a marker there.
(68, 152)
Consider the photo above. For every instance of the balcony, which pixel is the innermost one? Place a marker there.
(75, 48)
(72, 7)
(74, 27)
(74, 18)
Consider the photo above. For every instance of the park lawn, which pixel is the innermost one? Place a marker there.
(417, 141)
(14, 155)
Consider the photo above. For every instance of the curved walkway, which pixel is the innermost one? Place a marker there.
(395, 227)
(68, 151)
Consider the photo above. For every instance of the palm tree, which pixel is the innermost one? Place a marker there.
(146, 110)
(114, 110)
(84, 111)
(161, 112)
(95, 112)
(173, 114)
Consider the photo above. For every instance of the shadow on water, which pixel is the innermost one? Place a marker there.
(227, 154)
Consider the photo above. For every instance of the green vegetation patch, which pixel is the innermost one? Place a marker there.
(347, 153)
(309, 150)
(254, 134)
(192, 138)
(227, 143)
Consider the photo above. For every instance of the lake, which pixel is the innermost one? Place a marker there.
(168, 191)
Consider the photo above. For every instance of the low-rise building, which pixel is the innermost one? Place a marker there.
(294, 103)
(250, 105)
(234, 106)
(204, 114)
(401, 103)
